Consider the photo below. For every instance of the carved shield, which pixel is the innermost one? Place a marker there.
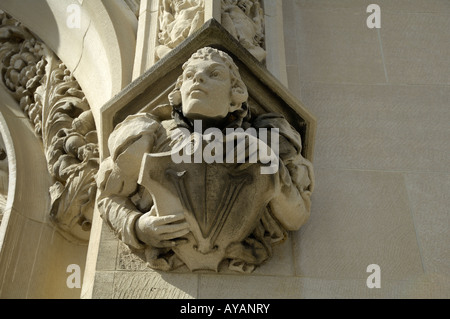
(221, 202)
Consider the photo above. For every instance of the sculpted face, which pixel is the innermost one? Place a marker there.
(206, 90)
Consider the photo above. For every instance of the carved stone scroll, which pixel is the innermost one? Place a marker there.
(52, 99)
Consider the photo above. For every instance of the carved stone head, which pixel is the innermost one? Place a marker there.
(210, 87)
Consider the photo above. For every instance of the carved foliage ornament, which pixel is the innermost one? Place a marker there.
(204, 214)
(52, 99)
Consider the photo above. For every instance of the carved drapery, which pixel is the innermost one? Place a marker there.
(50, 96)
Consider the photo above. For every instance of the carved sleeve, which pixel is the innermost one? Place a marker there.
(292, 203)
(118, 175)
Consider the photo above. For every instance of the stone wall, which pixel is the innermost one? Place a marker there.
(382, 152)
(381, 157)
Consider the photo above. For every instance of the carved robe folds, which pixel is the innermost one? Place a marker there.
(234, 214)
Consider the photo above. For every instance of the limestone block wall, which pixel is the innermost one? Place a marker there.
(381, 97)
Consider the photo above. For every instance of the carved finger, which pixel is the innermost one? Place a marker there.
(174, 235)
(172, 243)
(172, 228)
(164, 220)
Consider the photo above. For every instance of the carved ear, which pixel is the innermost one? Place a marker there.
(175, 97)
(239, 95)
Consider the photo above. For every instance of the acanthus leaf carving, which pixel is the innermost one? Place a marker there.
(52, 99)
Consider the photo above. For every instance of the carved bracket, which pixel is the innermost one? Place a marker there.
(206, 215)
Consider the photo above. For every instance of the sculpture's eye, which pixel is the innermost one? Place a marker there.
(215, 74)
(189, 75)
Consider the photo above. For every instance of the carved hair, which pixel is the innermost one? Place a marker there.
(239, 93)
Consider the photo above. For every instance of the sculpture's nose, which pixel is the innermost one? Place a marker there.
(199, 77)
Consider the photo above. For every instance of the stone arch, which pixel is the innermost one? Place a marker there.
(33, 255)
(100, 53)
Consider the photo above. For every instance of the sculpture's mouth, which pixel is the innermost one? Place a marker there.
(196, 89)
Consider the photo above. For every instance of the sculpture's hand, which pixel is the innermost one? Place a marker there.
(162, 232)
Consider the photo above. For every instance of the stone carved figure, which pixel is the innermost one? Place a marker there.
(244, 19)
(202, 215)
(178, 19)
